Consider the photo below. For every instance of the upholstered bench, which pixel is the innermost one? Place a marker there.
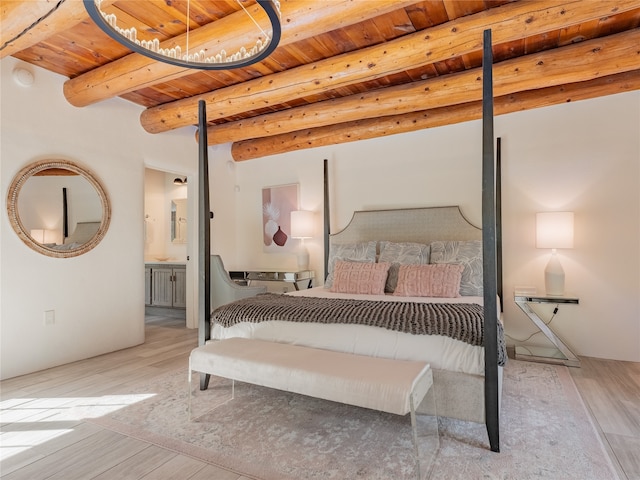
(387, 385)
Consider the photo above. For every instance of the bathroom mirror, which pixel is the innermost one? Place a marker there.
(58, 208)
(179, 220)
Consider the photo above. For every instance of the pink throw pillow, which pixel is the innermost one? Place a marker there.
(433, 280)
(357, 277)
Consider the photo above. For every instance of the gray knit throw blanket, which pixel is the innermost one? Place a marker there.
(460, 321)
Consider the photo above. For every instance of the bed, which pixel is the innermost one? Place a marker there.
(407, 242)
(83, 232)
(468, 394)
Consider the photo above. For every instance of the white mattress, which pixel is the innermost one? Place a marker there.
(439, 351)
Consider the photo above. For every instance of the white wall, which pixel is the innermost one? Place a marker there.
(583, 157)
(97, 297)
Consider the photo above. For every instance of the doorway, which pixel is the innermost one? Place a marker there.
(168, 243)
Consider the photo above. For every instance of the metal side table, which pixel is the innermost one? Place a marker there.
(523, 300)
(300, 280)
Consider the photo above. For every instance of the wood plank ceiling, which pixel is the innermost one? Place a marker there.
(344, 70)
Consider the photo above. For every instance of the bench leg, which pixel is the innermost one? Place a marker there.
(414, 432)
(190, 392)
(430, 449)
(204, 381)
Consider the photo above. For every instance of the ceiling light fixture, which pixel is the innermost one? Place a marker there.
(23, 77)
(169, 51)
(180, 181)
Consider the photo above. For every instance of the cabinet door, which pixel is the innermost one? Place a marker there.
(162, 287)
(147, 286)
(180, 287)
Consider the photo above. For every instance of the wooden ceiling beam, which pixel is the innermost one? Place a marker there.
(301, 19)
(573, 63)
(25, 24)
(437, 117)
(462, 36)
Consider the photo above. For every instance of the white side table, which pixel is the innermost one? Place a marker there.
(523, 300)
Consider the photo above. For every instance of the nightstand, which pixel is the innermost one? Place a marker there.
(300, 279)
(523, 300)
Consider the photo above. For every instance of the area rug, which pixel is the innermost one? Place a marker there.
(266, 434)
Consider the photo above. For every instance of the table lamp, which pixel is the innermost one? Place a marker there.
(43, 236)
(37, 234)
(554, 230)
(302, 226)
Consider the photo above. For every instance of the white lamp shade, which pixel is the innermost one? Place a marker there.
(554, 230)
(302, 224)
(37, 234)
(44, 236)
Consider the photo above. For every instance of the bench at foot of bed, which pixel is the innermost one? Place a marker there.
(387, 385)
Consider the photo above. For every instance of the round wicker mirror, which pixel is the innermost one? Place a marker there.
(58, 208)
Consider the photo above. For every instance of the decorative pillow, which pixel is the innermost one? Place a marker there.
(359, 252)
(403, 253)
(429, 280)
(464, 252)
(357, 277)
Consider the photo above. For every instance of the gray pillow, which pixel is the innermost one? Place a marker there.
(401, 253)
(464, 252)
(352, 252)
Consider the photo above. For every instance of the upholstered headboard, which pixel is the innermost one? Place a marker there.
(363, 239)
(83, 232)
(421, 225)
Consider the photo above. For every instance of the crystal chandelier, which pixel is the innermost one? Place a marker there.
(169, 51)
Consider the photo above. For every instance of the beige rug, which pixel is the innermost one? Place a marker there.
(546, 432)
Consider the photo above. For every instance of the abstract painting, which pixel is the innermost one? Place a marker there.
(277, 204)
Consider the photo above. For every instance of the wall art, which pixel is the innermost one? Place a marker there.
(277, 204)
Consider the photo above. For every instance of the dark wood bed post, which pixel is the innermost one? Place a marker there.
(204, 236)
(327, 226)
(489, 253)
(499, 220)
(65, 215)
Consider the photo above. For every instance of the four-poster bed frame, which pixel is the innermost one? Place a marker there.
(490, 196)
(490, 241)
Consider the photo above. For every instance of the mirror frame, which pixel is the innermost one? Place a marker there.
(14, 217)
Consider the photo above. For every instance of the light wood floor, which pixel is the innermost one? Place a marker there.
(40, 440)
(611, 391)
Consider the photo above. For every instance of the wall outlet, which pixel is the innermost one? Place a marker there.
(49, 317)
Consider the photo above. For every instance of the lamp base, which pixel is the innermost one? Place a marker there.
(303, 258)
(554, 276)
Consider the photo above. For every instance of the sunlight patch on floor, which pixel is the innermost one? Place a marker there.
(12, 443)
(29, 422)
